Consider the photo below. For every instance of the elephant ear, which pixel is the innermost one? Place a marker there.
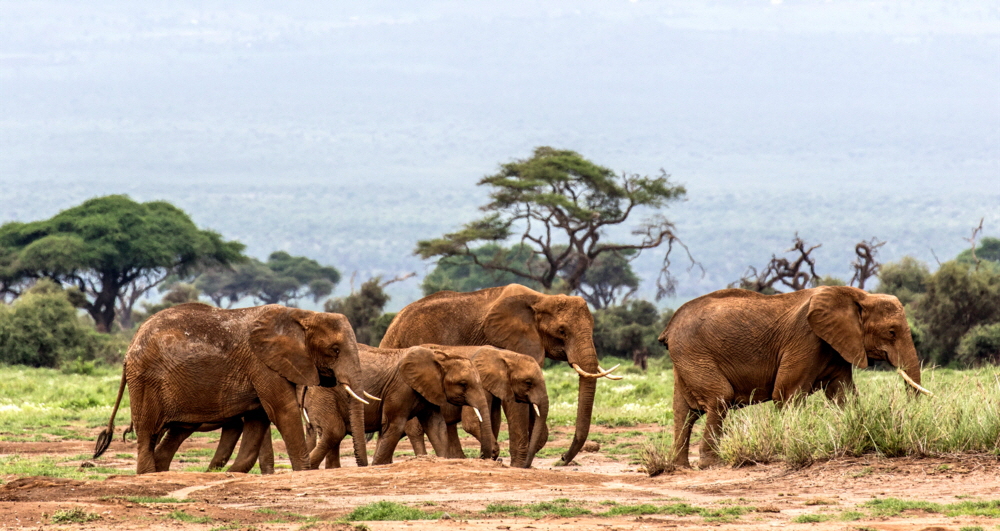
(493, 372)
(510, 322)
(421, 369)
(278, 339)
(835, 316)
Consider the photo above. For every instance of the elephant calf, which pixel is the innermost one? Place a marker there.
(413, 382)
(513, 383)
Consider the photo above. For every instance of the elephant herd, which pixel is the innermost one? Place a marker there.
(453, 358)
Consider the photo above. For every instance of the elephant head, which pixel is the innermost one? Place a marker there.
(509, 375)
(862, 326)
(313, 348)
(559, 327)
(443, 379)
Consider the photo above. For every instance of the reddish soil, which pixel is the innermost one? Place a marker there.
(463, 488)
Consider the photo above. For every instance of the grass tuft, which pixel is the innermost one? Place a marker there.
(75, 515)
(387, 510)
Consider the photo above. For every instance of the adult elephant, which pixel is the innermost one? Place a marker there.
(194, 364)
(515, 318)
(411, 383)
(735, 347)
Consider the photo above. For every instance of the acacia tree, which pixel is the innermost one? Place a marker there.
(283, 279)
(609, 280)
(866, 265)
(790, 273)
(562, 204)
(113, 250)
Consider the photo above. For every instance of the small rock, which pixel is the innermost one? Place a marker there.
(445, 516)
(591, 446)
(87, 464)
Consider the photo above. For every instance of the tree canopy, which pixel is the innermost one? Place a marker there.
(364, 310)
(562, 205)
(113, 249)
(283, 279)
(461, 273)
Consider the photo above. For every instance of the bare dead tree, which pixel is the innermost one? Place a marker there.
(789, 273)
(866, 265)
(976, 232)
(397, 278)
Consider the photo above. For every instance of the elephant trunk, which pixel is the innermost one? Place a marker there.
(905, 360)
(585, 399)
(358, 432)
(486, 441)
(539, 428)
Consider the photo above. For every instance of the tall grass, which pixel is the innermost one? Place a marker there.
(883, 419)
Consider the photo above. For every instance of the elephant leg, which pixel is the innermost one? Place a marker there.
(838, 389)
(310, 437)
(146, 458)
(437, 433)
(388, 438)
(255, 426)
(713, 431)
(165, 450)
(518, 430)
(684, 419)
(455, 450)
(231, 432)
(333, 456)
(415, 433)
(495, 412)
(266, 457)
(282, 409)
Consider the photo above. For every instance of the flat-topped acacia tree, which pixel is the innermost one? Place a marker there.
(562, 205)
(114, 250)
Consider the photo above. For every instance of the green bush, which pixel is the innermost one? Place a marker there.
(959, 297)
(980, 345)
(633, 325)
(42, 329)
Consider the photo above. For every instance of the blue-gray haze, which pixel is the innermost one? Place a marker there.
(348, 132)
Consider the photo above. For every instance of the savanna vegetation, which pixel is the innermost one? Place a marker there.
(73, 289)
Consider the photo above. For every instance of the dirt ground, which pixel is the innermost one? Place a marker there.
(463, 488)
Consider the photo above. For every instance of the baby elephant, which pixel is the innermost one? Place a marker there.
(514, 383)
(413, 382)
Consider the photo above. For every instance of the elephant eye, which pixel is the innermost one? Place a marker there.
(336, 350)
(562, 331)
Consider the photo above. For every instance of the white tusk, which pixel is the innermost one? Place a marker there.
(478, 414)
(539, 413)
(355, 395)
(911, 382)
(611, 376)
(598, 375)
(306, 414)
(373, 397)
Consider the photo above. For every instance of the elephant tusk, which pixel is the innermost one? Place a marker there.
(591, 375)
(355, 395)
(611, 376)
(911, 382)
(537, 412)
(373, 397)
(306, 415)
(478, 415)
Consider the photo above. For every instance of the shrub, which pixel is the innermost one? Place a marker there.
(959, 297)
(41, 329)
(980, 345)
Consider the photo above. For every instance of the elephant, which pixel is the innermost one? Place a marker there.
(252, 423)
(193, 364)
(507, 377)
(516, 318)
(734, 347)
(413, 382)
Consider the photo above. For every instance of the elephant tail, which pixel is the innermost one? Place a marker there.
(104, 438)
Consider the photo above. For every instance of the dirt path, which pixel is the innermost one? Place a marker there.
(768, 496)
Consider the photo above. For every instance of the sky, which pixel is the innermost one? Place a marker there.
(366, 104)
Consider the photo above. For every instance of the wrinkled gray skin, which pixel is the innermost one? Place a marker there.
(514, 318)
(735, 347)
(508, 377)
(412, 383)
(194, 364)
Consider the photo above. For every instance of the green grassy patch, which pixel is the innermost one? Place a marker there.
(387, 510)
(47, 466)
(75, 515)
(562, 507)
(811, 518)
(894, 507)
(182, 516)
